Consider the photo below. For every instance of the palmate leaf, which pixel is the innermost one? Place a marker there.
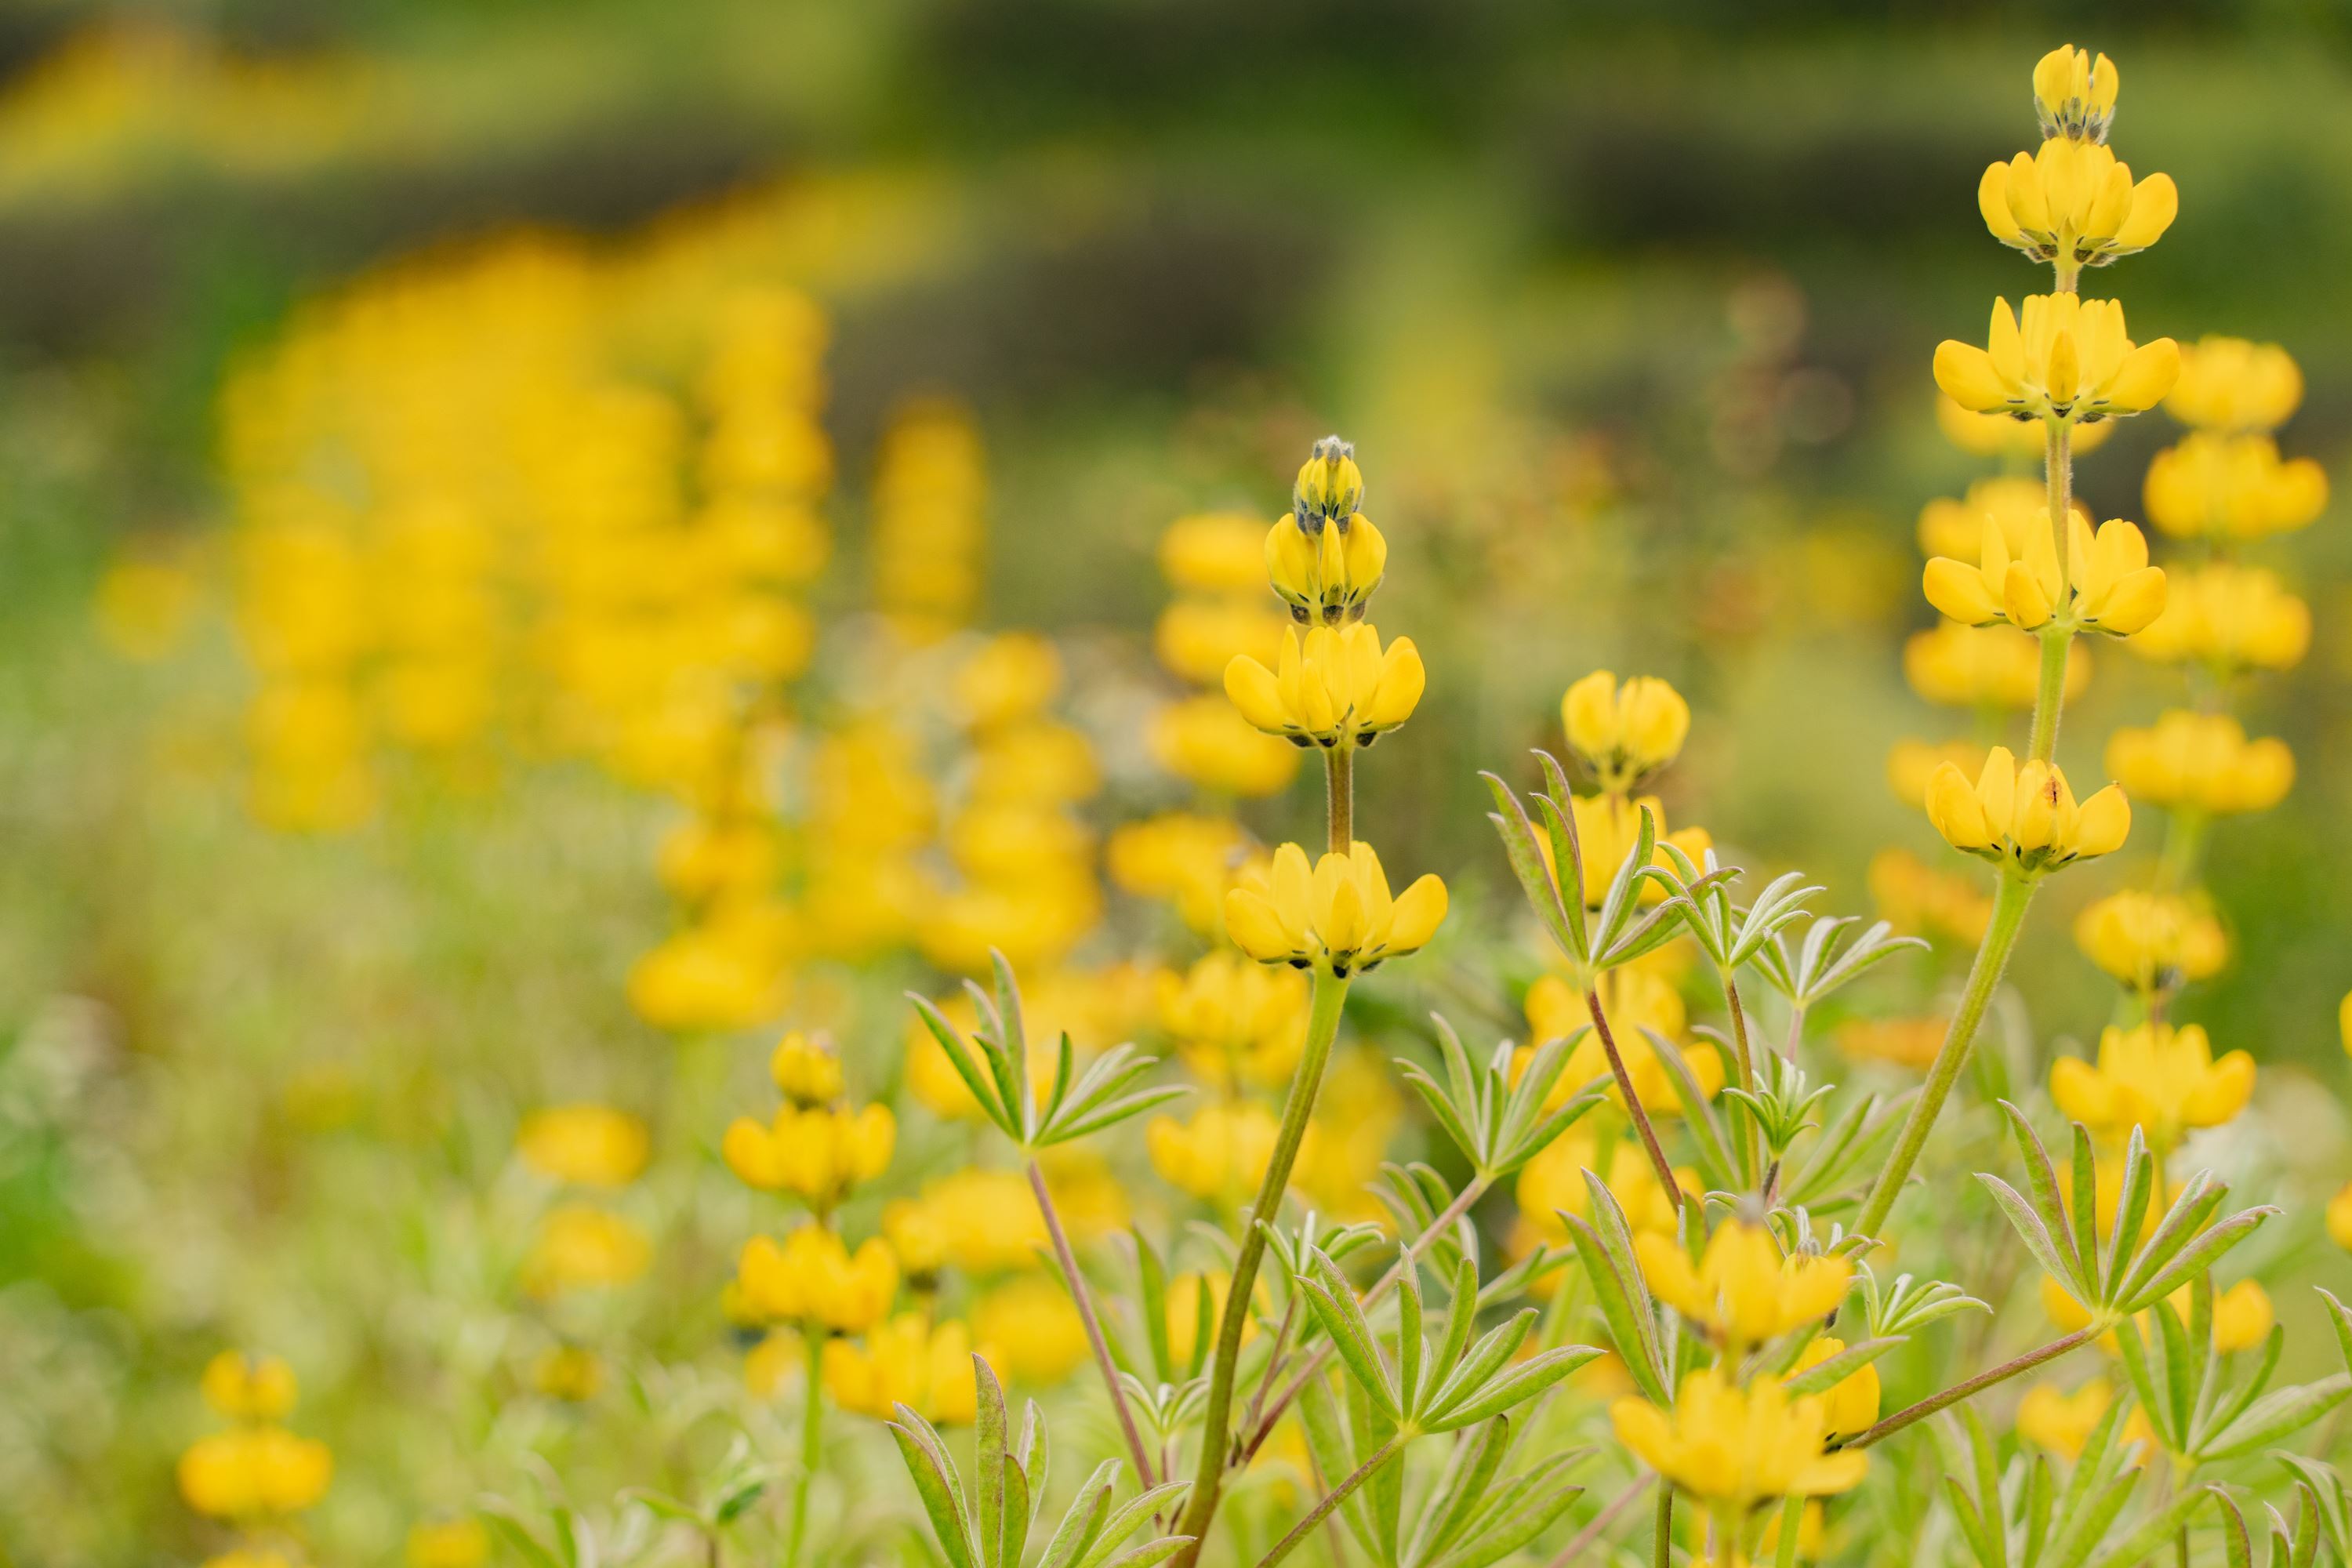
(1498, 1124)
(1605, 1248)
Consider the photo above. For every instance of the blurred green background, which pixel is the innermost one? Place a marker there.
(1628, 307)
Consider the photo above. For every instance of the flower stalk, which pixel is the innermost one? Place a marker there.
(2038, 1356)
(1068, 1261)
(1338, 1495)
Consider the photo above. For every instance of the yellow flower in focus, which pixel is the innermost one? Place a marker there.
(1920, 899)
(2074, 203)
(2201, 761)
(1553, 1182)
(2213, 486)
(586, 1145)
(1034, 1326)
(2339, 1218)
(2231, 384)
(1215, 552)
(1738, 1446)
(1222, 1152)
(1233, 1021)
(1607, 828)
(1635, 1000)
(2230, 617)
(254, 1472)
(1334, 687)
(1625, 731)
(2062, 1423)
(247, 1387)
(2074, 94)
(2151, 942)
(1912, 1043)
(1743, 1288)
(818, 1154)
(2156, 1077)
(807, 1071)
(1337, 913)
(1011, 677)
(580, 1246)
(1980, 667)
(2111, 588)
(908, 1361)
(1851, 1405)
(2025, 816)
(2067, 360)
(1329, 487)
(1205, 739)
(447, 1543)
(573, 1373)
(813, 1278)
(1911, 764)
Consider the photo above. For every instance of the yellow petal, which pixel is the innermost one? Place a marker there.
(2147, 373)
(2102, 823)
(1966, 376)
(1958, 591)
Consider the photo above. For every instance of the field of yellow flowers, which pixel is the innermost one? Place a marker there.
(693, 893)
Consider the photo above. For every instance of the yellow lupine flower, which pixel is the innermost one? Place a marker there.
(2074, 92)
(813, 1277)
(1235, 1021)
(1334, 687)
(2026, 816)
(1737, 1446)
(1034, 1326)
(2062, 1423)
(807, 1071)
(2228, 384)
(254, 1472)
(1912, 1043)
(2339, 1218)
(2156, 1077)
(2074, 202)
(587, 1145)
(1221, 1152)
(1204, 739)
(460, 1543)
(721, 974)
(580, 1246)
(1910, 764)
(1326, 574)
(2067, 360)
(1215, 552)
(1329, 487)
(1979, 667)
(2202, 761)
(1196, 637)
(243, 1386)
(1851, 1405)
(908, 1361)
(1624, 730)
(2215, 486)
(1743, 1287)
(2231, 617)
(1553, 1182)
(2108, 585)
(1607, 828)
(1919, 900)
(1634, 1000)
(1009, 677)
(2151, 942)
(1339, 912)
(817, 1153)
(2019, 506)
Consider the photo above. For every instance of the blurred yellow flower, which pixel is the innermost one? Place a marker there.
(818, 1154)
(1998, 435)
(2228, 383)
(813, 1278)
(1337, 913)
(2212, 485)
(1743, 1288)
(2067, 360)
(908, 1361)
(254, 1472)
(2231, 618)
(1336, 687)
(1033, 1326)
(1623, 732)
(2339, 1218)
(1851, 1404)
(1607, 828)
(1197, 638)
(580, 1246)
(1634, 1000)
(1184, 857)
(1215, 553)
(573, 1373)
(1981, 667)
(712, 977)
(1737, 1446)
(460, 1543)
(1911, 764)
(1204, 739)
(808, 1072)
(2201, 761)
(1009, 677)
(1920, 899)
(1553, 1182)
(1910, 1043)
(1233, 1021)
(2151, 942)
(586, 1145)
(2156, 1077)
(2017, 506)
(2062, 1423)
(2024, 816)
(243, 1386)
(1221, 1152)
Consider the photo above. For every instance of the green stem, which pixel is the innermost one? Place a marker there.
(2010, 899)
(1322, 1027)
(1793, 1520)
(1661, 1540)
(1068, 1260)
(811, 1447)
(1641, 1117)
(1339, 794)
(1591, 1532)
(1338, 1495)
(1751, 1147)
(1975, 1386)
(2050, 694)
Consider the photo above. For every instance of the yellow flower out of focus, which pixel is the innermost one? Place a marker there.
(586, 1145)
(1186, 857)
(908, 1361)
(2151, 942)
(1337, 913)
(1215, 552)
(1998, 435)
(2019, 507)
(2074, 94)
(1033, 1324)
(2231, 384)
(2108, 584)
(1981, 667)
(254, 1472)
(1911, 764)
(1205, 739)
(1625, 731)
(1906, 1042)
(2229, 617)
(2074, 203)
(1011, 677)
(570, 1372)
(2231, 487)
(2339, 1218)
(2202, 761)
(1920, 899)
(1334, 687)
(1851, 1405)
(1608, 827)
(447, 1543)
(580, 1246)
(1743, 1288)
(2068, 360)
(707, 978)
(1222, 1152)
(818, 1154)
(2156, 1077)
(1553, 1182)
(1738, 1446)
(2062, 1423)
(2025, 816)
(813, 1278)
(1233, 1021)
(145, 606)
(1636, 1001)
(247, 1387)
(808, 1072)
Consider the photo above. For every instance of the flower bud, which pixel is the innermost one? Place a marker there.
(1329, 488)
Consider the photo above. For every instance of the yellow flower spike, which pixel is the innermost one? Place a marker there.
(2075, 203)
(1851, 1405)
(812, 1276)
(807, 1071)
(2226, 486)
(2115, 590)
(2067, 360)
(2229, 617)
(1743, 1288)
(243, 1386)
(1011, 677)
(1334, 687)
(2339, 1218)
(818, 1154)
(2025, 816)
(252, 1473)
(586, 1145)
(1977, 667)
(1221, 1152)
(2151, 942)
(2074, 94)
(1738, 1446)
(2231, 384)
(1337, 912)
(2062, 1423)
(1326, 576)
(1205, 740)
(1625, 731)
(2200, 761)
(1235, 1021)
(908, 1361)
(2162, 1079)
